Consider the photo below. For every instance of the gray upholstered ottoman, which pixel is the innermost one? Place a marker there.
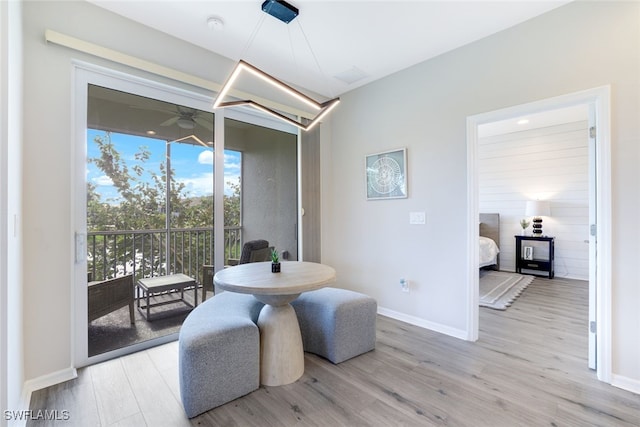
(336, 323)
(219, 352)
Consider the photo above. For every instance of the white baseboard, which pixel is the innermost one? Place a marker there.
(50, 379)
(625, 383)
(437, 327)
(39, 383)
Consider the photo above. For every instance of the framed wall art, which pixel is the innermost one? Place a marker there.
(386, 175)
(528, 253)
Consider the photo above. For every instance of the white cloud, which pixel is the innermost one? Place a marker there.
(203, 185)
(199, 185)
(206, 157)
(232, 161)
(103, 180)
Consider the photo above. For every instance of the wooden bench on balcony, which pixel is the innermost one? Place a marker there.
(153, 286)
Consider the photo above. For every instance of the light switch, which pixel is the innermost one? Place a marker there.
(417, 218)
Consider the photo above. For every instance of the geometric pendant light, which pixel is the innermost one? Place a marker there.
(286, 13)
(322, 108)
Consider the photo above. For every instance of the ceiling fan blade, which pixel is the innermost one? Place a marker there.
(171, 121)
(204, 123)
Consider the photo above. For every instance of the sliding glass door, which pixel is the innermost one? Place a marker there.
(146, 198)
(149, 211)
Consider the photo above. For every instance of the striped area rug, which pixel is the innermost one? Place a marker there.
(498, 289)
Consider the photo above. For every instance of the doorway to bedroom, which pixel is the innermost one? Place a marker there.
(547, 151)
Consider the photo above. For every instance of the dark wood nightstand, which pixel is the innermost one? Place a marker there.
(538, 263)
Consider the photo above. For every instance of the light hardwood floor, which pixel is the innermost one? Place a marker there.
(529, 368)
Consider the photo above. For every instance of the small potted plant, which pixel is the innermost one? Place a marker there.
(524, 224)
(275, 261)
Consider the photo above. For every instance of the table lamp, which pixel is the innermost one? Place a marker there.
(537, 209)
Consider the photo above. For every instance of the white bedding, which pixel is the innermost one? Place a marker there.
(488, 251)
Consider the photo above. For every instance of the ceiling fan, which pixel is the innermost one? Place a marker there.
(187, 118)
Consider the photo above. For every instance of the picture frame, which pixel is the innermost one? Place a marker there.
(527, 253)
(386, 175)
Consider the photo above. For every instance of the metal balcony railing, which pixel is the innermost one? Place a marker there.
(148, 253)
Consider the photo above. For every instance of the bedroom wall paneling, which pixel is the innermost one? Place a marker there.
(549, 163)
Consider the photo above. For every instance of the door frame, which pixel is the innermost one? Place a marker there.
(600, 99)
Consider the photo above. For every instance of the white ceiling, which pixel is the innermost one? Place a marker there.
(356, 40)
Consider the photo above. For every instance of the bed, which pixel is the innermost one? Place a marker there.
(489, 239)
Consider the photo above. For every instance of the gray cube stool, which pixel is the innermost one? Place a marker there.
(336, 324)
(219, 352)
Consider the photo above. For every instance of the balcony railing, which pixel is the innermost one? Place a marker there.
(148, 253)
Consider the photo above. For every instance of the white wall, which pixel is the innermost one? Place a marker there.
(11, 313)
(550, 163)
(579, 46)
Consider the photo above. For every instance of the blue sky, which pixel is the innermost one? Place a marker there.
(193, 165)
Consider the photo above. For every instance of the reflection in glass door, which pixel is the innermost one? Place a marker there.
(268, 186)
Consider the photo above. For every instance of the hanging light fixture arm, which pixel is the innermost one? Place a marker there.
(281, 85)
(264, 109)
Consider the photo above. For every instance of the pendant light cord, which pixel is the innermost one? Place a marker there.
(253, 35)
(324, 77)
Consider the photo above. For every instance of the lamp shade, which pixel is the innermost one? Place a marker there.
(538, 208)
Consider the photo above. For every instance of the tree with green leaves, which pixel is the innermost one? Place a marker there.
(141, 205)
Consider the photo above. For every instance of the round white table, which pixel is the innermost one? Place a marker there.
(281, 352)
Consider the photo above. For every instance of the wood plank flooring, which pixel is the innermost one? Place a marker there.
(529, 368)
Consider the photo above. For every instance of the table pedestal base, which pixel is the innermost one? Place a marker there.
(281, 352)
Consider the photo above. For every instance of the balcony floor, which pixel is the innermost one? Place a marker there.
(115, 330)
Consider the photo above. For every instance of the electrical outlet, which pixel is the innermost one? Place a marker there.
(404, 285)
